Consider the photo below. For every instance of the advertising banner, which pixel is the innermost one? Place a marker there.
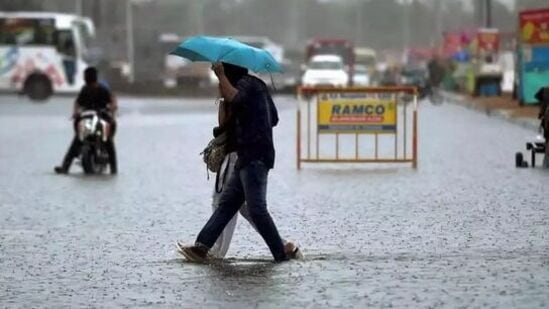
(488, 41)
(534, 26)
(365, 113)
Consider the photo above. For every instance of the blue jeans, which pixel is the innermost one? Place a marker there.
(248, 184)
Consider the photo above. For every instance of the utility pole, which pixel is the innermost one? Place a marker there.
(198, 16)
(479, 12)
(483, 13)
(406, 23)
(358, 23)
(488, 12)
(293, 35)
(130, 41)
(438, 23)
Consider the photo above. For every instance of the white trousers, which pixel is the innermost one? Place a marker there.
(221, 246)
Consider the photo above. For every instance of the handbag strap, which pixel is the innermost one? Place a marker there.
(217, 176)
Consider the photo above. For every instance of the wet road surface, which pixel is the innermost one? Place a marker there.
(466, 229)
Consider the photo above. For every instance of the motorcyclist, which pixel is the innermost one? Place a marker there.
(92, 96)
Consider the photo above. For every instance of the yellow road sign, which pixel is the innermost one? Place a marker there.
(363, 113)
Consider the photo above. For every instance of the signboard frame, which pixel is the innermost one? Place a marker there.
(309, 99)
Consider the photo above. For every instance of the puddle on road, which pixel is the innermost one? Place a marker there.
(250, 260)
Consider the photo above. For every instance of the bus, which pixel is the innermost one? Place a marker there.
(43, 53)
(340, 47)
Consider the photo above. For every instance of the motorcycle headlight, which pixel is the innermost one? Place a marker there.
(85, 127)
(89, 126)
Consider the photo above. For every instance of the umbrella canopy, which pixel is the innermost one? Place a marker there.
(214, 49)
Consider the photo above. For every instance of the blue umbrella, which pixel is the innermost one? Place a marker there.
(213, 49)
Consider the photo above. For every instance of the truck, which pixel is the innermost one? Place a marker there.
(333, 46)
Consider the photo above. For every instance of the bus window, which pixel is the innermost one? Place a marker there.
(26, 31)
(65, 43)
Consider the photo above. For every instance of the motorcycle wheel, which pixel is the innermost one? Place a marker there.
(88, 159)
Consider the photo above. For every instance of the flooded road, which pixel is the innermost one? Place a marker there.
(466, 229)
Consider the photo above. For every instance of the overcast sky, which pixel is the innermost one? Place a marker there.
(509, 3)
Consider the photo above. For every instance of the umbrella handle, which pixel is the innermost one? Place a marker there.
(272, 80)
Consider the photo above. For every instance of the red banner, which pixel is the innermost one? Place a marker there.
(452, 43)
(488, 41)
(534, 26)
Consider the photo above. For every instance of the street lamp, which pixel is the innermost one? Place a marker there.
(406, 22)
(130, 44)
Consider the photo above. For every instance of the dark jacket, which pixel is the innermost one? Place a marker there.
(255, 115)
(543, 97)
(94, 97)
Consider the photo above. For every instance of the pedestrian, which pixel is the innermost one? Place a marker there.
(543, 97)
(221, 246)
(254, 114)
(436, 71)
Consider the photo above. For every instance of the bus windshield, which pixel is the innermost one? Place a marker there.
(367, 60)
(326, 65)
(27, 31)
(85, 34)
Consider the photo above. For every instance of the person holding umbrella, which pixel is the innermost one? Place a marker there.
(226, 126)
(254, 115)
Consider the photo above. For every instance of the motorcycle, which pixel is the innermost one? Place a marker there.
(93, 132)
